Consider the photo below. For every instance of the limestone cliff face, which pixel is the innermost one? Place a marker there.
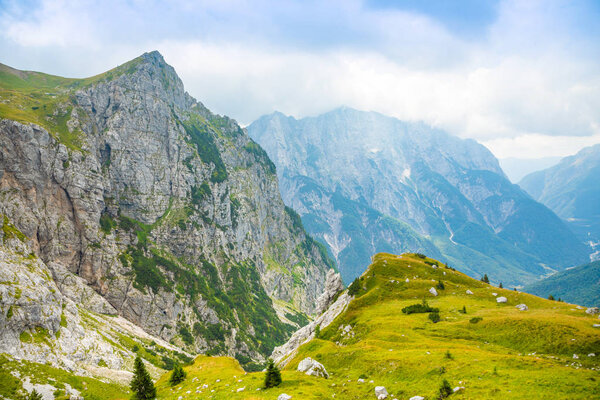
(169, 212)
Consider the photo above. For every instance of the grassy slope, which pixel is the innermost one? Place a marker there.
(406, 353)
(579, 285)
(27, 96)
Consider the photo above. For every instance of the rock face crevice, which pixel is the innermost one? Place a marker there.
(171, 213)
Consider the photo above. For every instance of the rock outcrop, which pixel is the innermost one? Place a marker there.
(143, 203)
(312, 367)
(284, 353)
(41, 324)
(333, 286)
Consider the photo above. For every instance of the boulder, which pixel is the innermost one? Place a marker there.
(417, 398)
(522, 307)
(458, 389)
(596, 325)
(494, 294)
(433, 291)
(575, 357)
(284, 396)
(501, 299)
(469, 292)
(593, 310)
(380, 392)
(312, 367)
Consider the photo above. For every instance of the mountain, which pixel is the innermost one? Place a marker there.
(166, 214)
(579, 285)
(572, 190)
(493, 350)
(347, 171)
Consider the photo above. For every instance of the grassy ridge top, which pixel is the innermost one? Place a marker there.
(494, 350)
(46, 100)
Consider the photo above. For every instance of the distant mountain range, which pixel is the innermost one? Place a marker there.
(364, 182)
(572, 190)
(580, 285)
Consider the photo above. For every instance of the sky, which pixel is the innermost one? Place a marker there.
(521, 77)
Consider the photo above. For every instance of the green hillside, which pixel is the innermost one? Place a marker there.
(579, 285)
(494, 350)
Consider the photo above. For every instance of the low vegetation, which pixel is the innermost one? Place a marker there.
(506, 354)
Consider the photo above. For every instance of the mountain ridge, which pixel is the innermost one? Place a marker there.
(169, 212)
(452, 192)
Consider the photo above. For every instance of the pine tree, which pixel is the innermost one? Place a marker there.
(550, 297)
(445, 390)
(464, 310)
(141, 384)
(500, 286)
(34, 395)
(272, 376)
(485, 279)
(177, 376)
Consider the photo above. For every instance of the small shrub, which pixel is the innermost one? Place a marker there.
(421, 255)
(419, 308)
(463, 310)
(177, 376)
(317, 331)
(551, 297)
(354, 287)
(475, 320)
(448, 355)
(434, 317)
(272, 375)
(445, 390)
(440, 285)
(34, 395)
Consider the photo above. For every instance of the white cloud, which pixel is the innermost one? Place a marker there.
(539, 146)
(528, 86)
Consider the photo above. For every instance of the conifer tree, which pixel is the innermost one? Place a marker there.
(34, 395)
(485, 279)
(141, 384)
(445, 390)
(272, 375)
(500, 286)
(177, 376)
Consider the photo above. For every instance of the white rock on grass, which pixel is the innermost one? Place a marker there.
(593, 310)
(592, 355)
(575, 357)
(458, 389)
(522, 307)
(417, 398)
(501, 299)
(380, 392)
(284, 396)
(312, 367)
(433, 291)
(469, 292)
(494, 294)
(596, 325)
(241, 389)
